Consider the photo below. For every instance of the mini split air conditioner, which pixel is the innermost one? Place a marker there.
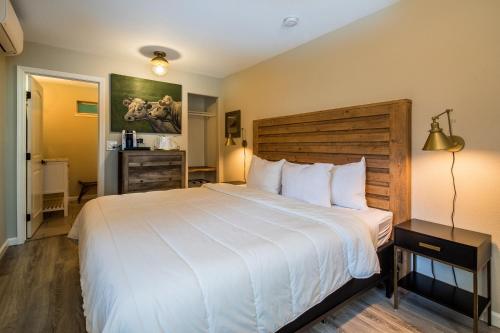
(11, 33)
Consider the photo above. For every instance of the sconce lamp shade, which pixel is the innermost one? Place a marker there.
(230, 140)
(437, 140)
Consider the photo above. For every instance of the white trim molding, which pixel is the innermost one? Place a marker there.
(12, 241)
(8, 242)
(3, 248)
(22, 73)
(495, 319)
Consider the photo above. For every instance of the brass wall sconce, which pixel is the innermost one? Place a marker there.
(229, 141)
(244, 143)
(437, 140)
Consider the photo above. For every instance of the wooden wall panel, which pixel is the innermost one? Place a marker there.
(381, 132)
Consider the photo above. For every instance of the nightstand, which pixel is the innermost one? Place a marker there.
(464, 249)
(236, 182)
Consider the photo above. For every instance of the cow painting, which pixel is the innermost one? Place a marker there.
(145, 106)
(164, 115)
(167, 110)
(137, 109)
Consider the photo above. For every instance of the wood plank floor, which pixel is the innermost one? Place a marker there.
(40, 292)
(56, 224)
(40, 287)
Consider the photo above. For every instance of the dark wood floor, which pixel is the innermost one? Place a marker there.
(40, 288)
(40, 292)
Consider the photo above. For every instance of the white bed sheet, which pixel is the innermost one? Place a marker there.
(220, 258)
(379, 221)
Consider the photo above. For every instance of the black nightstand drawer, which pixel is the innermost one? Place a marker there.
(440, 249)
(454, 246)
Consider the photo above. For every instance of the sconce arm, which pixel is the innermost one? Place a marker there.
(447, 111)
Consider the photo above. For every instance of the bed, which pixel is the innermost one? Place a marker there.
(225, 258)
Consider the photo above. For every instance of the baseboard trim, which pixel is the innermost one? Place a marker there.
(8, 242)
(3, 248)
(495, 319)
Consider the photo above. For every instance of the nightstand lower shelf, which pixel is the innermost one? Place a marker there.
(442, 293)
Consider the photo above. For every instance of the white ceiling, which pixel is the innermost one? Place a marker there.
(216, 38)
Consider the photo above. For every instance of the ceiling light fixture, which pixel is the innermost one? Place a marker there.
(160, 63)
(290, 21)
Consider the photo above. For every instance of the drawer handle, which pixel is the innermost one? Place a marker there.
(429, 246)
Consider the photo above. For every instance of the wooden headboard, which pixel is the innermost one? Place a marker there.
(381, 132)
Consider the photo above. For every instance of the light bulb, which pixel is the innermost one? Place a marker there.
(159, 63)
(159, 70)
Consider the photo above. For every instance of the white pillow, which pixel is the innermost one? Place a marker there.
(265, 175)
(348, 185)
(307, 182)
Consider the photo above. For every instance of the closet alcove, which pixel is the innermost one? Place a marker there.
(202, 140)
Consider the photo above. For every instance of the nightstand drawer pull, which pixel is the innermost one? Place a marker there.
(429, 246)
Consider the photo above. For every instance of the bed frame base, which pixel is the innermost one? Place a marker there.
(349, 291)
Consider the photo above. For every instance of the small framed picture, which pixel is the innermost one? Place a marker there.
(87, 109)
(233, 124)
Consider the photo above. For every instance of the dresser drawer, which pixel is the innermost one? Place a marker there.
(154, 186)
(440, 249)
(154, 161)
(142, 171)
(154, 174)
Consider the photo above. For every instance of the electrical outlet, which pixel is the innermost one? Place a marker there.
(111, 144)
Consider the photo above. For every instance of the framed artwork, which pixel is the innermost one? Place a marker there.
(146, 106)
(89, 109)
(233, 124)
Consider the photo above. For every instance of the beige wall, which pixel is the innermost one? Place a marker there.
(3, 80)
(47, 57)
(439, 54)
(66, 134)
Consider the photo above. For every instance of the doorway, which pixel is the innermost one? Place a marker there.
(60, 149)
(62, 136)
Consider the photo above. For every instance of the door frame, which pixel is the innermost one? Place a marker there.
(22, 73)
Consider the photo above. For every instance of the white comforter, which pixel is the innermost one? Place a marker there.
(221, 258)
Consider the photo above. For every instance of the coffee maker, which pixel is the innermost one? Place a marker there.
(129, 139)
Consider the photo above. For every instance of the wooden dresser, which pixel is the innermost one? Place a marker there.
(146, 170)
